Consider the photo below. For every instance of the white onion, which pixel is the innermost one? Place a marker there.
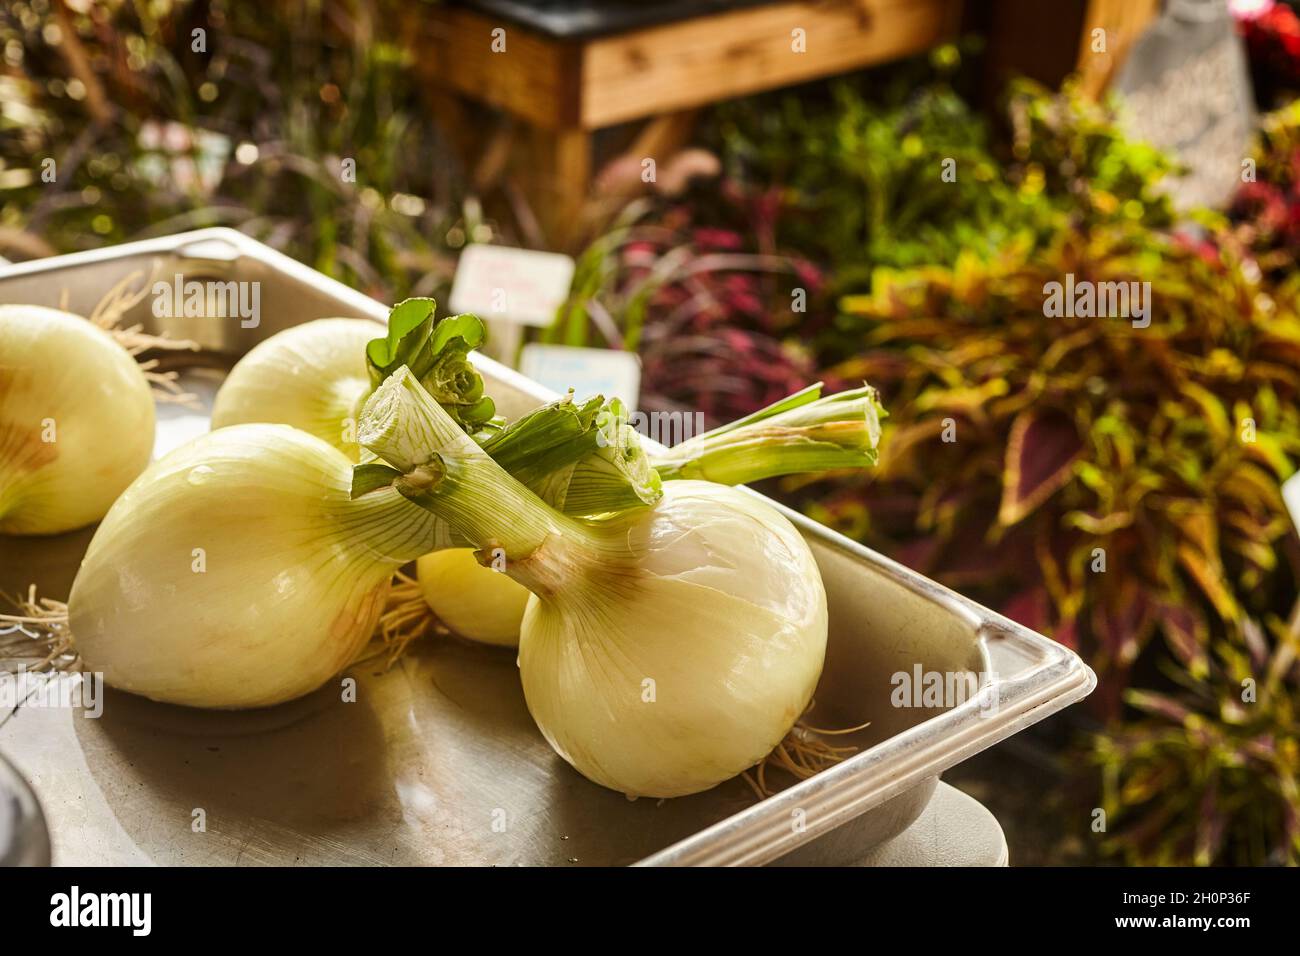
(76, 420)
(311, 376)
(664, 651)
(237, 572)
(474, 601)
(314, 376)
(692, 662)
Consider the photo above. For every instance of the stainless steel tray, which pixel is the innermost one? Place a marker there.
(439, 761)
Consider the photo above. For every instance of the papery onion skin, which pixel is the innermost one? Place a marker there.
(311, 376)
(724, 611)
(235, 572)
(477, 603)
(65, 378)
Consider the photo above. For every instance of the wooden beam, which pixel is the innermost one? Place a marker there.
(534, 77)
(599, 82)
(695, 62)
(555, 168)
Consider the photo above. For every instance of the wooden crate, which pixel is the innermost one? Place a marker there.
(566, 87)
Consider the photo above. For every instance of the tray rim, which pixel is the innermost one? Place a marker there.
(1056, 677)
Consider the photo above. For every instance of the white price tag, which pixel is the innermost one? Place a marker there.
(1291, 498)
(587, 371)
(518, 285)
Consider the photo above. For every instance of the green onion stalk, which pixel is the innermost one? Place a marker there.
(582, 457)
(585, 461)
(708, 601)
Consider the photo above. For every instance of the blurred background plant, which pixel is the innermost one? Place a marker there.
(820, 190)
(296, 123)
(1018, 445)
(1265, 211)
(1271, 30)
(1212, 774)
(707, 309)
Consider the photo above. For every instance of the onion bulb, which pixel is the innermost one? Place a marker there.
(76, 420)
(311, 376)
(472, 599)
(237, 571)
(694, 660)
(664, 650)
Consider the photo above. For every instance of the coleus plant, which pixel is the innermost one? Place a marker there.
(1211, 774)
(1265, 211)
(709, 313)
(1104, 481)
(1271, 30)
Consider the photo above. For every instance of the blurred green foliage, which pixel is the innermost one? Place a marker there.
(1212, 774)
(913, 175)
(858, 179)
(1108, 483)
(297, 123)
(823, 192)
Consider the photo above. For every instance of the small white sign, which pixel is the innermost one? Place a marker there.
(1291, 498)
(587, 371)
(518, 285)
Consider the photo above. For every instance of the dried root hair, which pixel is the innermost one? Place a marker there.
(406, 617)
(37, 638)
(802, 754)
(108, 315)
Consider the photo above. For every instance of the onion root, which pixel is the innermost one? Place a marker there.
(108, 314)
(38, 637)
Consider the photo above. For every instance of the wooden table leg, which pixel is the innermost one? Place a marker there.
(665, 135)
(1117, 25)
(556, 165)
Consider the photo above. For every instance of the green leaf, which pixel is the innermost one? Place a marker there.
(371, 477)
(545, 440)
(801, 397)
(444, 368)
(801, 434)
(469, 327)
(409, 323)
(438, 356)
